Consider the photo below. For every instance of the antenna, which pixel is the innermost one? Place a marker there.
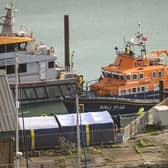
(124, 39)
(8, 19)
(139, 27)
(72, 60)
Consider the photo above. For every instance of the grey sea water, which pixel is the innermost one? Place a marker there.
(96, 27)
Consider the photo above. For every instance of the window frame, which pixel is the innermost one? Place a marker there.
(133, 75)
(154, 76)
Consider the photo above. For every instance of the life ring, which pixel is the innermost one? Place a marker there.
(43, 115)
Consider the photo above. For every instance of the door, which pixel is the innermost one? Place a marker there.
(43, 71)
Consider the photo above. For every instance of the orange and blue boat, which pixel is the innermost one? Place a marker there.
(131, 82)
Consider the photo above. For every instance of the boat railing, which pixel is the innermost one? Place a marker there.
(24, 31)
(88, 83)
(91, 94)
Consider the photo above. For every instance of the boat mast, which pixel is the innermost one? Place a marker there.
(142, 45)
(7, 20)
(139, 27)
(72, 61)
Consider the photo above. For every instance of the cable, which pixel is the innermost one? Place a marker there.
(23, 131)
(83, 143)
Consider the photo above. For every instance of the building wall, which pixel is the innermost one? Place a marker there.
(7, 153)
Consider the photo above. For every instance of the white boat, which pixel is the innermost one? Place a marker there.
(41, 77)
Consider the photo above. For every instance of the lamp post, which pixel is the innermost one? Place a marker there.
(17, 112)
(78, 128)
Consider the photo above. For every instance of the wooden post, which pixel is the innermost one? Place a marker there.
(161, 90)
(66, 40)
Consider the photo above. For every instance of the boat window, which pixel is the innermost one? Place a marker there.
(154, 75)
(133, 90)
(51, 64)
(41, 92)
(160, 74)
(115, 76)
(22, 68)
(22, 93)
(107, 74)
(53, 91)
(128, 77)
(134, 76)
(10, 69)
(2, 68)
(8, 48)
(121, 77)
(141, 76)
(143, 89)
(30, 93)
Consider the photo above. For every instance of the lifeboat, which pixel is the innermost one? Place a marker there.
(129, 83)
(133, 75)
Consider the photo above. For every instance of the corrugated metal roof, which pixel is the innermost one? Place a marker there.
(7, 106)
